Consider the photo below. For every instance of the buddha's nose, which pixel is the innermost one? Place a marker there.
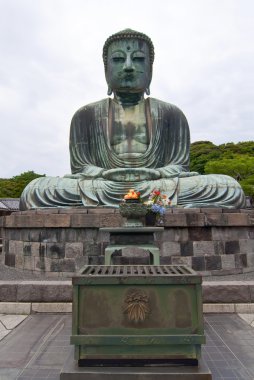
(128, 65)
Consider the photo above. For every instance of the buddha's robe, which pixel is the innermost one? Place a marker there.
(91, 154)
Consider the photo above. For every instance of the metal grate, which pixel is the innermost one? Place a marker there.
(137, 270)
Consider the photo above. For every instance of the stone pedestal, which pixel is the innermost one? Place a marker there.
(71, 371)
(60, 241)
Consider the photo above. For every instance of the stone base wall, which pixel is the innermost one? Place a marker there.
(60, 241)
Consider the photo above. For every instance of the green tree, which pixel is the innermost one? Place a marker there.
(13, 187)
(240, 167)
(200, 153)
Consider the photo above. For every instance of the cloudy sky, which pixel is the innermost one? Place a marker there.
(51, 65)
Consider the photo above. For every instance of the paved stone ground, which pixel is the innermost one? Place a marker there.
(38, 346)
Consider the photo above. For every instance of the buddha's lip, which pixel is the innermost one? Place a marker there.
(129, 76)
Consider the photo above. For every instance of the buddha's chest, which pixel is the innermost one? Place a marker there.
(129, 134)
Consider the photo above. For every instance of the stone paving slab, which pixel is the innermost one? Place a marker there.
(8, 323)
(11, 321)
(39, 347)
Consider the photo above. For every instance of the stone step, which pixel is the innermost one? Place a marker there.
(214, 292)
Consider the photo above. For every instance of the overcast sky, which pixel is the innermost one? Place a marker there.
(50, 65)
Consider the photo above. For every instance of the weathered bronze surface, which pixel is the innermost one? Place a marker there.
(154, 312)
(130, 142)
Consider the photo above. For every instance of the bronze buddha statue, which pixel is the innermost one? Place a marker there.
(130, 141)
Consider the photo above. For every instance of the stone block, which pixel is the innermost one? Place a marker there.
(166, 260)
(40, 263)
(55, 250)
(169, 248)
(91, 248)
(246, 246)
(28, 263)
(232, 247)
(178, 210)
(197, 219)
(251, 287)
(200, 234)
(211, 210)
(250, 259)
(218, 308)
(54, 307)
(175, 220)
(241, 260)
(44, 291)
(229, 233)
(73, 250)
(19, 262)
(226, 272)
(219, 248)
(96, 260)
(14, 234)
(212, 262)
(229, 291)
(187, 248)
(57, 220)
(103, 237)
(81, 262)
(228, 261)
(16, 247)
(216, 219)
(28, 221)
(90, 234)
(250, 233)
(62, 265)
(35, 248)
(101, 210)
(2, 221)
(8, 291)
(27, 249)
(198, 263)
(96, 220)
(73, 210)
(247, 308)
(238, 219)
(10, 259)
(202, 248)
(175, 234)
(15, 308)
(177, 260)
(46, 210)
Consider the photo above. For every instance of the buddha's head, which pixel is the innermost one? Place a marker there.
(128, 59)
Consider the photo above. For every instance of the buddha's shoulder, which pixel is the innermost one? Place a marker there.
(164, 106)
(91, 107)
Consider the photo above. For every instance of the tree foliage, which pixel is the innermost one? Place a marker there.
(13, 187)
(235, 160)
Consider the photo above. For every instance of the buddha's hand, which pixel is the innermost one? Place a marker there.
(131, 174)
(73, 176)
(188, 174)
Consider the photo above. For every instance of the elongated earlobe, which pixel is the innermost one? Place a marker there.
(109, 90)
(147, 91)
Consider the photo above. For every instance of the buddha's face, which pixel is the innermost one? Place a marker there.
(128, 66)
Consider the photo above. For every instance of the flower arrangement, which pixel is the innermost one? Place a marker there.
(133, 208)
(157, 203)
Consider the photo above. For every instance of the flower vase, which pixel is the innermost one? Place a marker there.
(133, 211)
(151, 219)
